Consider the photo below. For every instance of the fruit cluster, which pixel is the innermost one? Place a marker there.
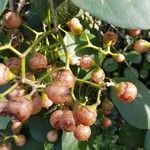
(29, 94)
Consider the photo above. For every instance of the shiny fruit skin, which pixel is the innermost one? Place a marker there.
(98, 75)
(12, 20)
(85, 115)
(20, 109)
(46, 102)
(66, 77)
(110, 37)
(126, 91)
(68, 122)
(37, 61)
(106, 122)
(52, 136)
(86, 62)
(58, 93)
(82, 133)
(141, 46)
(55, 119)
(5, 146)
(16, 126)
(119, 58)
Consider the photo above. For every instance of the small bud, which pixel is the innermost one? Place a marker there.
(14, 64)
(30, 76)
(106, 122)
(134, 32)
(75, 26)
(20, 140)
(126, 91)
(141, 46)
(110, 38)
(5, 74)
(98, 75)
(46, 102)
(119, 58)
(12, 20)
(107, 107)
(16, 126)
(52, 136)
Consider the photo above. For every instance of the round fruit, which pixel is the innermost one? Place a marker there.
(17, 92)
(5, 146)
(20, 109)
(14, 64)
(126, 91)
(46, 102)
(37, 61)
(16, 126)
(86, 62)
(110, 37)
(74, 60)
(119, 58)
(66, 77)
(82, 133)
(37, 106)
(52, 136)
(134, 32)
(68, 123)
(86, 115)
(30, 76)
(107, 107)
(75, 26)
(58, 93)
(106, 122)
(20, 140)
(141, 46)
(5, 74)
(98, 75)
(55, 119)
(12, 20)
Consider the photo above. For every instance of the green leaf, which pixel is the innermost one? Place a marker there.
(136, 112)
(3, 4)
(133, 57)
(131, 73)
(70, 143)
(4, 121)
(147, 141)
(30, 145)
(110, 65)
(127, 136)
(125, 14)
(39, 128)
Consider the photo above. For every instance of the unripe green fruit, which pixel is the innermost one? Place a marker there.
(126, 91)
(5, 74)
(12, 20)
